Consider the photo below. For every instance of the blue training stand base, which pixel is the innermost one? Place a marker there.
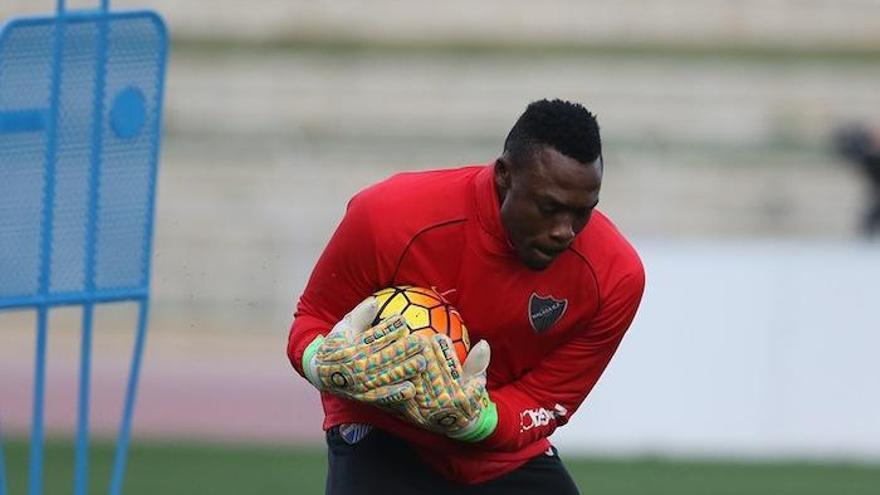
(80, 116)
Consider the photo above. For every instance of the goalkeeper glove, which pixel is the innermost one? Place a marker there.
(450, 398)
(370, 364)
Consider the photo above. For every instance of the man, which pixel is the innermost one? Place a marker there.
(534, 269)
(860, 145)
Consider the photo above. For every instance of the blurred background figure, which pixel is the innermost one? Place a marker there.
(859, 144)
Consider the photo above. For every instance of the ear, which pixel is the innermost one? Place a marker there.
(502, 176)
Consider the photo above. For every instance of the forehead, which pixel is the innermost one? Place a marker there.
(562, 178)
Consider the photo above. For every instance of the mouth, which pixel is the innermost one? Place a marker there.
(547, 255)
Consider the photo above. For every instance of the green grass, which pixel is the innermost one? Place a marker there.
(226, 469)
(177, 469)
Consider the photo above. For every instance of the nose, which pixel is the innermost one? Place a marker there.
(562, 233)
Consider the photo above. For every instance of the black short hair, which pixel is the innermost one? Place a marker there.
(567, 127)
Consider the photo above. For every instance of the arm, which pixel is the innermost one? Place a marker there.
(545, 398)
(348, 271)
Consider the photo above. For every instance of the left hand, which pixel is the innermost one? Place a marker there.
(366, 363)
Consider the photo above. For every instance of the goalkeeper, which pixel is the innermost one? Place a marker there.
(536, 271)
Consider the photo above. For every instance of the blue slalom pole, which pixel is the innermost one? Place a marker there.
(35, 483)
(121, 125)
(140, 337)
(80, 477)
(2, 466)
(81, 472)
(130, 395)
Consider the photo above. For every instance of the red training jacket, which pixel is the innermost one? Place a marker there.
(552, 332)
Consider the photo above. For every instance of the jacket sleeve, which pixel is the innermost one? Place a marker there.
(346, 273)
(543, 399)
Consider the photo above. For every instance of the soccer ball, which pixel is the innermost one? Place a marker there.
(425, 312)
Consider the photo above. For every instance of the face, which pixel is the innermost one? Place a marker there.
(545, 202)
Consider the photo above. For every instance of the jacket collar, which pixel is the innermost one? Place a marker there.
(485, 196)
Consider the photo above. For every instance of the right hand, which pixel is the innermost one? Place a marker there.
(451, 398)
(370, 364)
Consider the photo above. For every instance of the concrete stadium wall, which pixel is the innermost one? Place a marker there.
(746, 349)
(749, 349)
(779, 22)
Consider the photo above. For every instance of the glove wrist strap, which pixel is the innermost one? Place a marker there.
(483, 427)
(308, 362)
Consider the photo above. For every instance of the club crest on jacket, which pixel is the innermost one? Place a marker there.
(544, 312)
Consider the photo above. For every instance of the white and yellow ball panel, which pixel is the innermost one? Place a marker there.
(424, 311)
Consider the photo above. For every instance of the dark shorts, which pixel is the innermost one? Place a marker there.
(369, 461)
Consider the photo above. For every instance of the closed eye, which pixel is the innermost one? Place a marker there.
(548, 209)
